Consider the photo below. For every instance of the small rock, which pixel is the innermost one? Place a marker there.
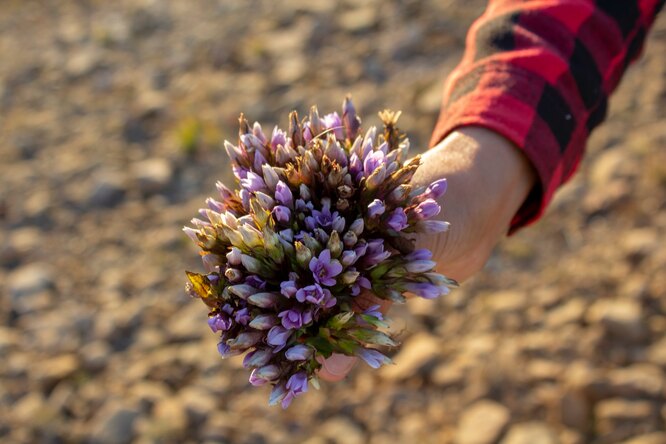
(359, 20)
(622, 319)
(429, 101)
(53, 370)
(27, 281)
(656, 353)
(506, 301)
(650, 438)
(482, 423)
(619, 419)
(530, 433)
(637, 381)
(114, 424)
(169, 420)
(152, 175)
(95, 355)
(575, 410)
(417, 351)
(640, 243)
(340, 429)
(198, 403)
(107, 191)
(82, 63)
(569, 312)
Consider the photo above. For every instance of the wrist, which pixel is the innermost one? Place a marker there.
(489, 178)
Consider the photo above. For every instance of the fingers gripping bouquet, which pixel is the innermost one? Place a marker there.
(320, 215)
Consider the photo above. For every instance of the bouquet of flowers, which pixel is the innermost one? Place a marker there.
(321, 213)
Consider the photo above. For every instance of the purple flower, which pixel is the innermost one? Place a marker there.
(376, 208)
(361, 282)
(350, 119)
(355, 166)
(372, 357)
(219, 322)
(324, 269)
(253, 182)
(294, 319)
(436, 189)
(256, 282)
(242, 316)
(259, 160)
(427, 209)
(298, 352)
(316, 295)
(375, 253)
(282, 214)
(422, 254)
(225, 351)
(374, 311)
(288, 288)
(283, 194)
(425, 290)
(279, 137)
(372, 161)
(296, 385)
(397, 220)
(278, 336)
(334, 122)
(325, 219)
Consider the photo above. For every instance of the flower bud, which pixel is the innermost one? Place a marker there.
(251, 264)
(263, 322)
(283, 195)
(304, 192)
(251, 237)
(357, 226)
(427, 209)
(233, 275)
(376, 208)
(311, 243)
(303, 254)
(242, 291)
(349, 239)
(245, 340)
(350, 120)
(431, 226)
(348, 258)
(334, 244)
(349, 277)
(234, 256)
(299, 352)
(266, 201)
(262, 375)
(264, 300)
(257, 358)
(419, 266)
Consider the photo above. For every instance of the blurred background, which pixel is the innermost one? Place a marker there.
(112, 116)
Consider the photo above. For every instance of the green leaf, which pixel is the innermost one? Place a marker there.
(340, 320)
(372, 337)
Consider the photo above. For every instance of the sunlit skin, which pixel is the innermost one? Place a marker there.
(488, 180)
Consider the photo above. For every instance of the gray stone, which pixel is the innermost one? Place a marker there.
(152, 175)
(108, 190)
(530, 433)
(482, 423)
(114, 424)
(29, 280)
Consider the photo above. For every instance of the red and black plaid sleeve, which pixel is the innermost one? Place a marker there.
(540, 72)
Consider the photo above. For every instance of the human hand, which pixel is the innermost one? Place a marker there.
(488, 180)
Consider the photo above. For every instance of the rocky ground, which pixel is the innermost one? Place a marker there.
(111, 118)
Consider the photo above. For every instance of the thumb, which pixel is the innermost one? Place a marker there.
(336, 367)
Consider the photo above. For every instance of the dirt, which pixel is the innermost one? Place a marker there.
(112, 116)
